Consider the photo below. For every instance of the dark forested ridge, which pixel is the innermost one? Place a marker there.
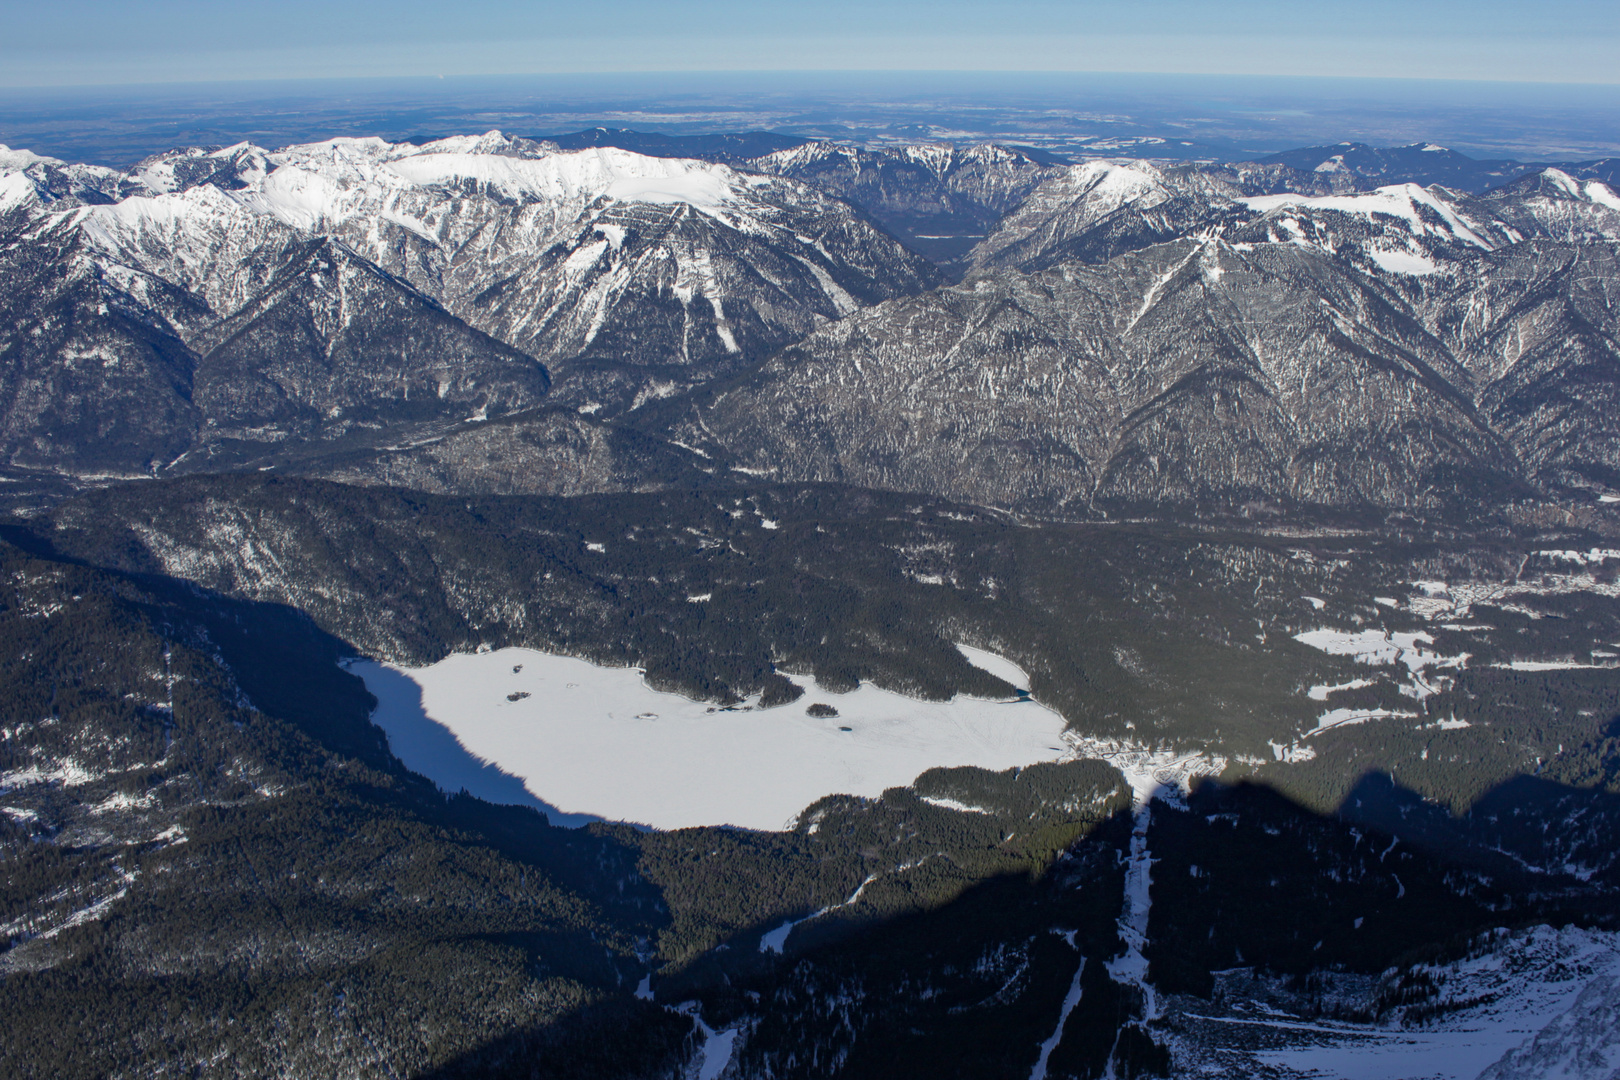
(203, 825)
(1129, 627)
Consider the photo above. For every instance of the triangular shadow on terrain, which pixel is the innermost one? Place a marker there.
(1525, 824)
(937, 1012)
(416, 738)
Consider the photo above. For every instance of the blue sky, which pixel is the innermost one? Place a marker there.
(70, 42)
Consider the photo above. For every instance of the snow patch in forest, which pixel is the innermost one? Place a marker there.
(1403, 262)
(776, 940)
(67, 772)
(1381, 648)
(952, 804)
(999, 666)
(584, 742)
(1336, 718)
(1321, 692)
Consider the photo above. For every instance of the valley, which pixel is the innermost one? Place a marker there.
(752, 606)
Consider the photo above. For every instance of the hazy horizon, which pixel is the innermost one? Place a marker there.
(1072, 113)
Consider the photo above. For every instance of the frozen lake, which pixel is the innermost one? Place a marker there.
(584, 742)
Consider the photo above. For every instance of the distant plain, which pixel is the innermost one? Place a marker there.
(1072, 115)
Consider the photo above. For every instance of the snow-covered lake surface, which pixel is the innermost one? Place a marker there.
(584, 742)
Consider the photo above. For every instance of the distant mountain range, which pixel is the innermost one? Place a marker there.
(1315, 328)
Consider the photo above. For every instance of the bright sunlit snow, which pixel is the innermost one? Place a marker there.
(519, 726)
(1405, 201)
(1507, 995)
(1403, 262)
(1382, 647)
(999, 666)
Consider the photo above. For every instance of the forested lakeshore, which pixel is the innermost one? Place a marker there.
(212, 863)
(229, 872)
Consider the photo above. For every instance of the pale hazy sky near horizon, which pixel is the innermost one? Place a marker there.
(86, 42)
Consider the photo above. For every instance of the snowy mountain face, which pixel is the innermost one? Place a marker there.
(1093, 212)
(28, 180)
(1090, 213)
(600, 259)
(1380, 347)
(501, 264)
(729, 148)
(638, 276)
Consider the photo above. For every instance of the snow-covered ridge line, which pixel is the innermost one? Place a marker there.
(1407, 202)
(322, 185)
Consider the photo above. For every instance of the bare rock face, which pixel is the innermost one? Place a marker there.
(334, 340)
(114, 370)
(95, 374)
(1536, 325)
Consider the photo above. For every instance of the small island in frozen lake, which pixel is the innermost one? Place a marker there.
(584, 742)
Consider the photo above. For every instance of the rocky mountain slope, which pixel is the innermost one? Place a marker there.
(361, 297)
(309, 292)
(1401, 347)
(939, 198)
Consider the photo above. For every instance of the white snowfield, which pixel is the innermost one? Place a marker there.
(323, 185)
(1411, 203)
(1379, 648)
(585, 742)
(15, 190)
(1412, 230)
(442, 192)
